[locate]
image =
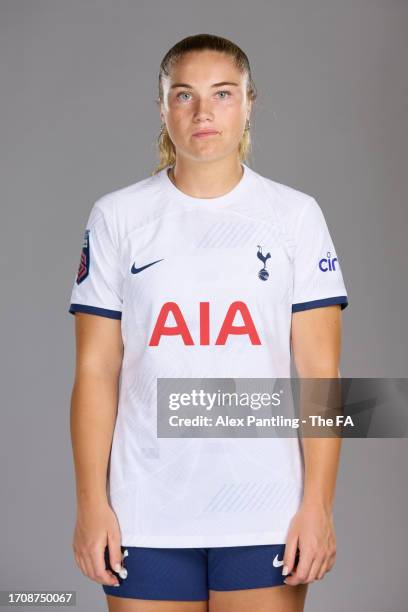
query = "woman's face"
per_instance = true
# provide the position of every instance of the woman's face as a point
(205, 91)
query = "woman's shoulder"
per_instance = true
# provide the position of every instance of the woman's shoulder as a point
(132, 204)
(288, 201)
(138, 190)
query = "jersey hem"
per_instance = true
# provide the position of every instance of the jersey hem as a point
(237, 539)
(103, 312)
(339, 299)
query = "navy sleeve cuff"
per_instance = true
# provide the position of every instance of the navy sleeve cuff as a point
(103, 312)
(339, 299)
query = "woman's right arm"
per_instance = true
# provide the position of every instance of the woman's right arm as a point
(94, 401)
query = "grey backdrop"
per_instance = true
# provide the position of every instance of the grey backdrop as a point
(78, 120)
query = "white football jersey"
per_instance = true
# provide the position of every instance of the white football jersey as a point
(203, 287)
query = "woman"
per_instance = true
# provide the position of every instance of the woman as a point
(204, 269)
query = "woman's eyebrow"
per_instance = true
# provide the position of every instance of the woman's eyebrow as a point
(187, 86)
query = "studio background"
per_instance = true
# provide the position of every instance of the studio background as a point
(78, 120)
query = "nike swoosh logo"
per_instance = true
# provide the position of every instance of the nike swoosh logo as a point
(135, 270)
(276, 562)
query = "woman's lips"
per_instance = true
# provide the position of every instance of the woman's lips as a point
(204, 134)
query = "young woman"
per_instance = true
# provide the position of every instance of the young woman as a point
(204, 269)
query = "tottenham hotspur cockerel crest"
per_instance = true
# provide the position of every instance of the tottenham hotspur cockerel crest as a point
(263, 273)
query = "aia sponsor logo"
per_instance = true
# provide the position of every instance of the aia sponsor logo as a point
(227, 328)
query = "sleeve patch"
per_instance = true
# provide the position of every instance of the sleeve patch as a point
(83, 269)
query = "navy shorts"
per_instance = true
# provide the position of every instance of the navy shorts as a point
(186, 574)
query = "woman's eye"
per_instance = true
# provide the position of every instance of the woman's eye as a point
(183, 93)
(225, 94)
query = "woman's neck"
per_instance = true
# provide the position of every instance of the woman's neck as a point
(206, 180)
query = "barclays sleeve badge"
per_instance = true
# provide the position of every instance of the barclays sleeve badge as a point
(83, 269)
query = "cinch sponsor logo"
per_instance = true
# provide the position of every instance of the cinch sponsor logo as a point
(227, 328)
(327, 264)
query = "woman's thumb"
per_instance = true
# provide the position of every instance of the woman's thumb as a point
(115, 557)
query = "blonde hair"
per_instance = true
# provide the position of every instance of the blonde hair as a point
(201, 42)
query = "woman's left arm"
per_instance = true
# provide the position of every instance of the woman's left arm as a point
(316, 347)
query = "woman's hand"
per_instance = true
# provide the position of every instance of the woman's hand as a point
(312, 531)
(97, 527)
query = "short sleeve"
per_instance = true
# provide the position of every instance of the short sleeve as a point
(318, 279)
(99, 281)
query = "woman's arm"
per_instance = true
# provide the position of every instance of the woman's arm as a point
(99, 353)
(316, 340)
(316, 346)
